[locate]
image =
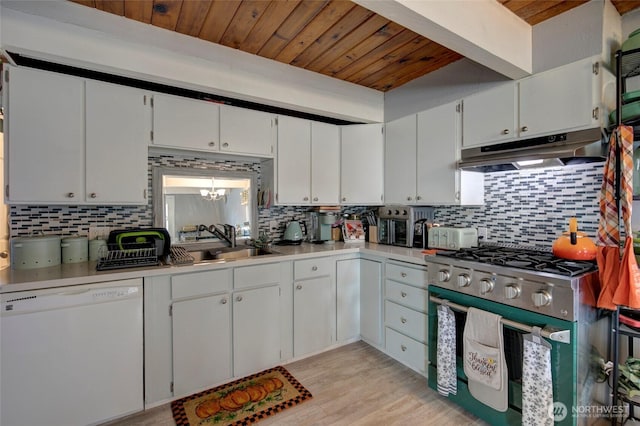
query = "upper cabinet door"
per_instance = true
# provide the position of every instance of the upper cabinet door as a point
(246, 131)
(438, 145)
(325, 163)
(185, 123)
(117, 134)
(362, 163)
(400, 160)
(45, 137)
(490, 116)
(293, 161)
(560, 99)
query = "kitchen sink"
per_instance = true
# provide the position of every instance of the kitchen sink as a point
(229, 253)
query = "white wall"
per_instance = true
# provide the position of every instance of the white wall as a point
(76, 35)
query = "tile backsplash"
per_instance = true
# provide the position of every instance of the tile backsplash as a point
(524, 207)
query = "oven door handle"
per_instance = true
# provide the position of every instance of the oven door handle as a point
(557, 335)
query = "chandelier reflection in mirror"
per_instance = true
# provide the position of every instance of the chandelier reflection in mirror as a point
(214, 194)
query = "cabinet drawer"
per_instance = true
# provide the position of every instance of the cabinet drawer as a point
(406, 350)
(406, 321)
(410, 275)
(312, 268)
(415, 298)
(187, 285)
(250, 276)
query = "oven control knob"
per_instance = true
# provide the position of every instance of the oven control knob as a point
(444, 275)
(512, 291)
(486, 286)
(541, 298)
(464, 280)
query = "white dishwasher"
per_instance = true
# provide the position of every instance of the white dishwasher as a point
(72, 355)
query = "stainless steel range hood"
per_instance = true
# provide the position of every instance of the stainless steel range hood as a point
(583, 146)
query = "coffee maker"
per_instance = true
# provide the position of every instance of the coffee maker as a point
(319, 225)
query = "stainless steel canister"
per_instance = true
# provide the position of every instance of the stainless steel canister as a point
(74, 249)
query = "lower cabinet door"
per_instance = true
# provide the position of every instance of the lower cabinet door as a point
(311, 315)
(256, 330)
(406, 350)
(201, 343)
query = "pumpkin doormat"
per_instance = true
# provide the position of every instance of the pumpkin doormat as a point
(242, 401)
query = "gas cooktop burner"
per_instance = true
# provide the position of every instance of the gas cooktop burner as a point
(522, 258)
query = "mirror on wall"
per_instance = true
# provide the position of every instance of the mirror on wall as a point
(188, 201)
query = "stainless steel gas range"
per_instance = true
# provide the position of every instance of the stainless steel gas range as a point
(528, 288)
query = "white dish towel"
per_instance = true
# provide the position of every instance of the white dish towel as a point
(447, 377)
(484, 362)
(537, 383)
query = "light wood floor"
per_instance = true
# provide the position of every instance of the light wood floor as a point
(352, 385)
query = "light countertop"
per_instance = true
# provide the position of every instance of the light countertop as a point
(68, 274)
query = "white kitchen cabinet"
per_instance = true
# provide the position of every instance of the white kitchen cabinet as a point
(308, 162)
(438, 151)
(313, 305)
(400, 169)
(45, 137)
(185, 123)
(490, 116)
(371, 301)
(117, 127)
(61, 131)
(256, 330)
(293, 161)
(575, 96)
(405, 312)
(201, 343)
(361, 164)
(347, 299)
(247, 131)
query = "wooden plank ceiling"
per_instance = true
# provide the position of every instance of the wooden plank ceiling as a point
(337, 38)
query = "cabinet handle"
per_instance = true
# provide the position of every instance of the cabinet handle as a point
(403, 294)
(239, 299)
(299, 287)
(212, 144)
(403, 274)
(71, 195)
(315, 198)
(223, 301)
(93, 195)
(305, 199)
(524, 129)
(505, 132)
(403, 320)
(314, 268)
(225, 145)
(403, 347)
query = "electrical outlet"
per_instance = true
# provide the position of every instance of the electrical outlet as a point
(273, 225)
(482, 233)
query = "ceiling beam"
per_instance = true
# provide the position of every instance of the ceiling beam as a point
(482, 30)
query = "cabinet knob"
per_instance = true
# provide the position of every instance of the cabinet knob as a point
(4, 254)
(314, 268)
(403, 274)
(71, 195)
(403, 320)
(223, 301)
(225, 145)
(93, 195)
(418, 198)
(212, 144)
(403, 347)
(409, 198)
(344, 198)
(299, 287)
(305, 199)
(524, 129)
(239, 299)
(403, 294)
(315, 198)
(505, 132)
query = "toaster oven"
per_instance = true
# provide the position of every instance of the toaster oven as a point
(396, 223)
